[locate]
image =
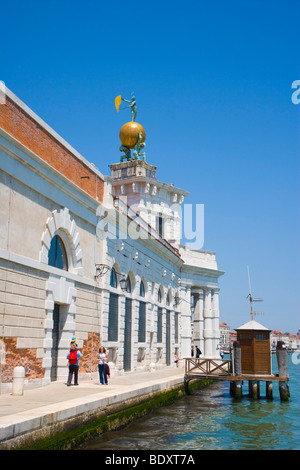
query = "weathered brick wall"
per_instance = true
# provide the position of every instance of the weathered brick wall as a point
(89, 361)
(27, 131)
(20, 357)
(88, 314)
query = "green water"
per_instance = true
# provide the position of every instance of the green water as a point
(211, 419)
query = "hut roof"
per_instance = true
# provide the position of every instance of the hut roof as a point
(252, 325)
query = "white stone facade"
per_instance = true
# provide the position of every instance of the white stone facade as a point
(37, 204)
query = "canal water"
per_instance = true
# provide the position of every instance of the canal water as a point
(210, 419)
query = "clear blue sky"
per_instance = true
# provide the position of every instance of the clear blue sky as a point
(212, 82)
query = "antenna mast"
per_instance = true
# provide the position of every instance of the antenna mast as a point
(251, 299)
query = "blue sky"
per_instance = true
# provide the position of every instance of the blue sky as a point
(212, 82)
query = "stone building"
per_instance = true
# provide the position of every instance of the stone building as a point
(94, 256)
(224, 336)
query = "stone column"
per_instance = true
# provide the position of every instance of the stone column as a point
(208, 326)
(185, 331)
(196, 318)
(216, 323)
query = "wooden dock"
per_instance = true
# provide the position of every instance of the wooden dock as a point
(207, 368)
(217, 369)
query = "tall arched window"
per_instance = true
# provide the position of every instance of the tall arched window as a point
(159, 317)
(113, 313)
(128, 285)
(142, 289)
(128, 327)
(113, 278)
(57, 255)
(142, 316)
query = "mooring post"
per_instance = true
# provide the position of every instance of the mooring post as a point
(281, 354)
(254, 391)
(269, 390)
(237, 389)
(186, 385)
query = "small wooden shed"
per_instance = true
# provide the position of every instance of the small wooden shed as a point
(254, 340)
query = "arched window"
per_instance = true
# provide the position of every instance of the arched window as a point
(113, 314)
(168, 299)
(113, 278)
(142, 289)
(128, 285)
(159, 296)
(142, 316)
(57, 255)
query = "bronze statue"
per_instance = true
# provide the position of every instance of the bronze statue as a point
(132, 105)
(127, 152)
(139, 146)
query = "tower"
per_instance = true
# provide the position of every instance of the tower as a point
(135, 182)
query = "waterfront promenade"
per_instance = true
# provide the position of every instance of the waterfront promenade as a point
(33, 414)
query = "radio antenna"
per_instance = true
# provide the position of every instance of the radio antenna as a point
(251, 299)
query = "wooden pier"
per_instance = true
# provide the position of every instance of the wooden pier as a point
(217, 369)
(251, 361)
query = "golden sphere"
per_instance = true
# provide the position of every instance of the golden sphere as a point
(129, 134)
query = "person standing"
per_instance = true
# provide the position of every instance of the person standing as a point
(73, 358)
(198, 352)
(102, 361)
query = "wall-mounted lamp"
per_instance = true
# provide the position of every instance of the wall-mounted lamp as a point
(123, 283)
(101, 270)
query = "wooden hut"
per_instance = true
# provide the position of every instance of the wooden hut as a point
(254, 340)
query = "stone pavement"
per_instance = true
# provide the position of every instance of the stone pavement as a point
(55, 403)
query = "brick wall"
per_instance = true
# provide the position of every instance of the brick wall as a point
(28, 132)
(26, 357)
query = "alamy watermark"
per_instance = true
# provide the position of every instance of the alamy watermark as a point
(296, 94)
(178, 222)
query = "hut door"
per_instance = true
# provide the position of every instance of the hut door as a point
(246, 341)
(127, 334)
(55, 342)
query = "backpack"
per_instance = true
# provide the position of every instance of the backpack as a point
(73, 357)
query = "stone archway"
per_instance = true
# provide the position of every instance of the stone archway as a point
(61, 223)
(60, 293)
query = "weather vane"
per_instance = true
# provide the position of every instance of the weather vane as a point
(132, 105)
(132, 134)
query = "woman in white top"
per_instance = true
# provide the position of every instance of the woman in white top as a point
(102, 361)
